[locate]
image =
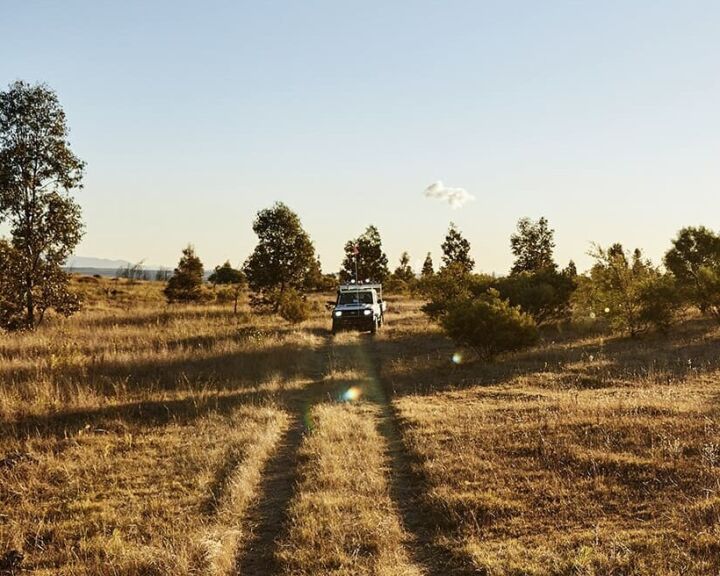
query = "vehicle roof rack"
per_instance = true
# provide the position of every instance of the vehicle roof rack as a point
(351, 287)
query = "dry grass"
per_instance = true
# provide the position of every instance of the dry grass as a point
(342, 520)
(134, 497)
(135, 439)
(134, 434)
(582, 457)
(109, 355)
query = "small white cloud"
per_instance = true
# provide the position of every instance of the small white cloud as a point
(456, 197)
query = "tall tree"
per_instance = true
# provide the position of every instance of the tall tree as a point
(456, 250)
(427, 268)
(185, 285)
(533, 246)
(37, 172)
(282, 259)
(365, 254)
(404, 272)
(694, 260)
(314, 279)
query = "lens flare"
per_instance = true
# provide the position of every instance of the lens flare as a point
(351, 394)
(457, 358)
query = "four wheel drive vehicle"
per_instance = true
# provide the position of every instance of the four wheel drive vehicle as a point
(358, 307)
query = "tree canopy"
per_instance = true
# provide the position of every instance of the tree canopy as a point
(404, 271)
(185, 285)
(694, 260)
(226, 274)
(366, 252)
(37, 171)
(456, 250)
(283, 256)
(532, 246)
(626, 290)
(427, 268)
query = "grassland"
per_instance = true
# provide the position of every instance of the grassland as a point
(140, 438)
(587, 455)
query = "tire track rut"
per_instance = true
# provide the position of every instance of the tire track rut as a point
(266, 520)
(408, 488)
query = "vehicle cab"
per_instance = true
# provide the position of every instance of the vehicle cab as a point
(358, 307)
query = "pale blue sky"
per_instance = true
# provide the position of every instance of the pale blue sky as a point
(602, 116)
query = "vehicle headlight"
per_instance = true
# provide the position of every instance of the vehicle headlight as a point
(367, 312)
(338, 313)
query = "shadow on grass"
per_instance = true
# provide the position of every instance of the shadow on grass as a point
(422, 363)
(216, 383)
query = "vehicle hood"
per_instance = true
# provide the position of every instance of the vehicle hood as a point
(342, 307)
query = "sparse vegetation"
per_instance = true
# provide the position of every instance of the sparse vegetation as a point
(140, 443)
(586, 455)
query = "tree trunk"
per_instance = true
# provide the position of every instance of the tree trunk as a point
(29, 303)
(279, 299)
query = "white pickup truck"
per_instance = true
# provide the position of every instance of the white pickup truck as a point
(358, 307)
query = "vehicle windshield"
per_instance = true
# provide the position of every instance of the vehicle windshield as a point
(355, 298)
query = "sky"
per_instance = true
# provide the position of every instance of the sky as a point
(192, 116)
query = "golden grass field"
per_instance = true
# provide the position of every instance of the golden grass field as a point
(139, 438)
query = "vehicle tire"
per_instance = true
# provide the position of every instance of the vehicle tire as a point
(374, 326)
(334, 329)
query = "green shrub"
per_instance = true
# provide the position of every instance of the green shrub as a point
(626, 292)
(451, 284)
(186, 283)
(294, 307)
(694, 260)
(489, 325)
(544, 294)
(660, 301)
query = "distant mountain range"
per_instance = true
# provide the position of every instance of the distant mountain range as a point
(105, 266)
(85, 262)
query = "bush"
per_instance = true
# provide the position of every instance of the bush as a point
(294, 307)
(225, 295)
(451, 284)
(694, 259)
(708, 290)
(660, 301)
(186, 283)
(627, 292)
(489, 325)
(544, 294)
